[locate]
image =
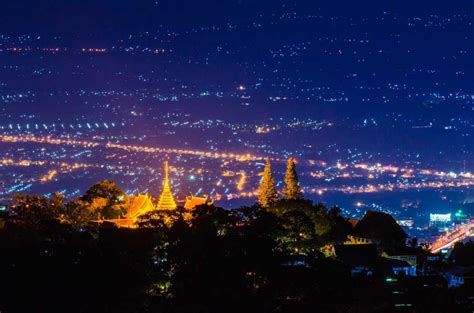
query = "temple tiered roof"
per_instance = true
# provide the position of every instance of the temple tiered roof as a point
(194, 201)
(166, 201)
(140, 204)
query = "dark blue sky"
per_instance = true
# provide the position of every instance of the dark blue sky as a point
(82, 17)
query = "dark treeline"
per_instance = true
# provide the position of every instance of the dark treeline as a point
(52, 259)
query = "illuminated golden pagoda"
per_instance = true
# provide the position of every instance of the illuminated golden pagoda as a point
(166, 201)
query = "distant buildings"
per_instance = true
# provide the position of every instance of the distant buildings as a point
(377, 245)
(459, 276)
(365, 260)
(378, 228)
(440, 220)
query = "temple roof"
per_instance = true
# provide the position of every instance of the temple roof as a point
(378, 225)
(353, 221)
(139, 205)
(193, 201)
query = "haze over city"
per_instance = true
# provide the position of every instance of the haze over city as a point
(373, 101)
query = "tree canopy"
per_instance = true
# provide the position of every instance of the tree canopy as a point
(106, 199)
(267, 193)
(292, 190)
(209, 259)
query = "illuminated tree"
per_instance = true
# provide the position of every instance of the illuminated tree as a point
(104, 189)
(33, 209)
(212, 219)
(78, 213)
(267, 194)
(298, 236)
(40, 218)
(292, 189)
(329, 225)
(107, 199)
(160, 218)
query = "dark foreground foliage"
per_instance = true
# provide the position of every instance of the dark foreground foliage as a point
(246, 260)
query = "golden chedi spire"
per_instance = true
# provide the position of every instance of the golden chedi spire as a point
(166, 201)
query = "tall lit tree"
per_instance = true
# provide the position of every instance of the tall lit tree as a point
(267, 194)
(292, 188)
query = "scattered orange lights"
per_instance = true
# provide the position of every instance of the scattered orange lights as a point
(49, 177)
(212, 155)
(373, 172)
(241, 183)
(95, 50)
(61, 167)
(51, 49)
(129, 148)
(317, 174)
(401, 186)
(18, 49)
(47, 140)
(11, 162)
(263, 130)
(26, 49)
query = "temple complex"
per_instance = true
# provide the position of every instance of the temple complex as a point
(142, 203)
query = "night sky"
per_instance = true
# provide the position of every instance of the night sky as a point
(89, 16)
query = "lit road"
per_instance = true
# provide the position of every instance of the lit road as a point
(459, 233)
(128, 148)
